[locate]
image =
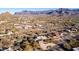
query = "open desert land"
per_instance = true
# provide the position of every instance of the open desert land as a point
(39, 32)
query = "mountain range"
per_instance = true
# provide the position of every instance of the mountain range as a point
(60, 11)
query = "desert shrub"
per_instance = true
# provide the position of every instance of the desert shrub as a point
(28, 48)
(67, 46)
(74, 43)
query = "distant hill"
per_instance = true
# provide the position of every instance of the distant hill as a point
(6, 14)
(60, 11)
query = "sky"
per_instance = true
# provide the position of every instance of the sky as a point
(13, 10)
(35, 5)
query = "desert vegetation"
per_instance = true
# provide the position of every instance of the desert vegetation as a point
(39, 32)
